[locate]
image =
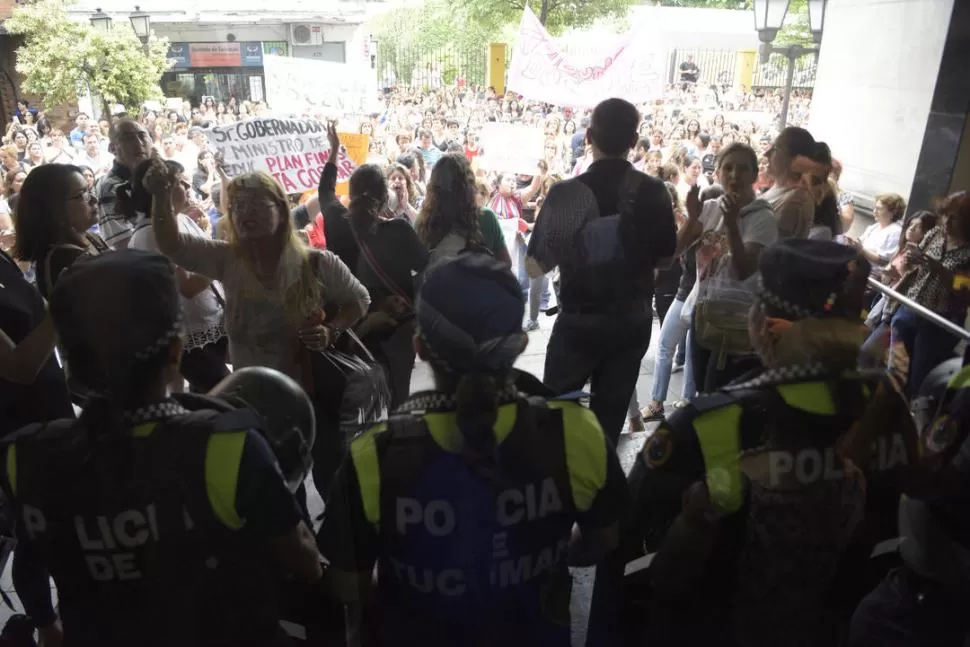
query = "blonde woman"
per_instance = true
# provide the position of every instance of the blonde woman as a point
(276, 288)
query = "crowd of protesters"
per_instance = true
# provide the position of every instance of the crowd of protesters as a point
(733, 231)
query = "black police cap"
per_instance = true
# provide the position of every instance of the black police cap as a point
(118, 307)
(812, 278)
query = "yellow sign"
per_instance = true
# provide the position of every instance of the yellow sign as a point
(357, 146)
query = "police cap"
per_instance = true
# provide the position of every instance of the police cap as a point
(812, 278)
(115, 312)
(469, 314)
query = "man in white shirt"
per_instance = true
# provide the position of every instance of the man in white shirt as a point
(94, 157)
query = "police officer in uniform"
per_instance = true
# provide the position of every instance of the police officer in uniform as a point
(467, 498)
(160, 526)
(755, 496)
(923, 602)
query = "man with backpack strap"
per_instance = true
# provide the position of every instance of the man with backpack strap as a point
(607, 230)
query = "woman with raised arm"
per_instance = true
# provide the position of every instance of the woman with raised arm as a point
(281, 297)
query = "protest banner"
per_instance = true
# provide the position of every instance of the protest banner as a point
(299, 87)
(356, 145)
(294, 151)
(510, 148)
(632, 69)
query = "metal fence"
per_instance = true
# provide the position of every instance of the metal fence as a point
(719, 67)
(435, 68)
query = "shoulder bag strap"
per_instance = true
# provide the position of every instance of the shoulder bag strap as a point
(381, 275)
(47, 264)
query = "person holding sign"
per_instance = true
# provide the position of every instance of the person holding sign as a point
(508, 203)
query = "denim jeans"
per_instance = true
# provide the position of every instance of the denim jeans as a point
(534, 291)
(927, 344)
(673, 333)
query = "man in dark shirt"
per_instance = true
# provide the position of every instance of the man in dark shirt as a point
(578, 143)
(689, 72)
(603, 330)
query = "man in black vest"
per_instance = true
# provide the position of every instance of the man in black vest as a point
(159, 526)
(603, 330)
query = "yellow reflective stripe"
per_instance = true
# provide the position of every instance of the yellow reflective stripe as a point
(222, 458)
(444, 429)
(12, 468)
(718, 434)
(811, 397)
(961, 380)
(144, 430)
(585, 452)
(363, 451)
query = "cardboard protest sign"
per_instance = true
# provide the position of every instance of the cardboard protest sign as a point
(510, 148)
(296, 86)
(356, 145)
(294, 151)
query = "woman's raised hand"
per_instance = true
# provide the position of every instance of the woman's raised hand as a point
(334, 140)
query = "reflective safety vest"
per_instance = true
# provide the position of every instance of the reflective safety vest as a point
(796, 459)
(141, 534)
(468, 559)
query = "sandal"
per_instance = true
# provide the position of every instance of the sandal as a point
(653, 414)
(636, 424)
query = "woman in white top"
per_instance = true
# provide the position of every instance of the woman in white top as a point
(691, 176)
(880, 240)
(727, 235)
(206, 345)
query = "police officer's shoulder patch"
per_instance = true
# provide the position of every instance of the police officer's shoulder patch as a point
(658, 448)
(941, 434)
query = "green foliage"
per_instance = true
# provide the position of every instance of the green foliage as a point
(62, 57)
(708, 4)
(556, 15)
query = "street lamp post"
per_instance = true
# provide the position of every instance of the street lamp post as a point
(769, 15)
(141, 22)
(100, 20)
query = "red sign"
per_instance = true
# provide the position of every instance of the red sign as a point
(215, 54)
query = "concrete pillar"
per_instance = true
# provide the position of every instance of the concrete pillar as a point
(893, 112)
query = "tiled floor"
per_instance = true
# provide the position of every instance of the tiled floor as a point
(532, 361)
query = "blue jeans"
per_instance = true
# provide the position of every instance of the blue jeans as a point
(927, 344)
(673, 332)
(535, 292)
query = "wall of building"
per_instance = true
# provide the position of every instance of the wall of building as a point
(874, 88)
(352, 35)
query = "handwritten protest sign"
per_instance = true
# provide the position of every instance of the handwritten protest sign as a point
(296, 86)
(294, 151)
(356, 146)
(510, 148)
(632, 68)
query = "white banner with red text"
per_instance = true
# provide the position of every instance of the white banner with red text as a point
(632, 68)
(294, 151)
